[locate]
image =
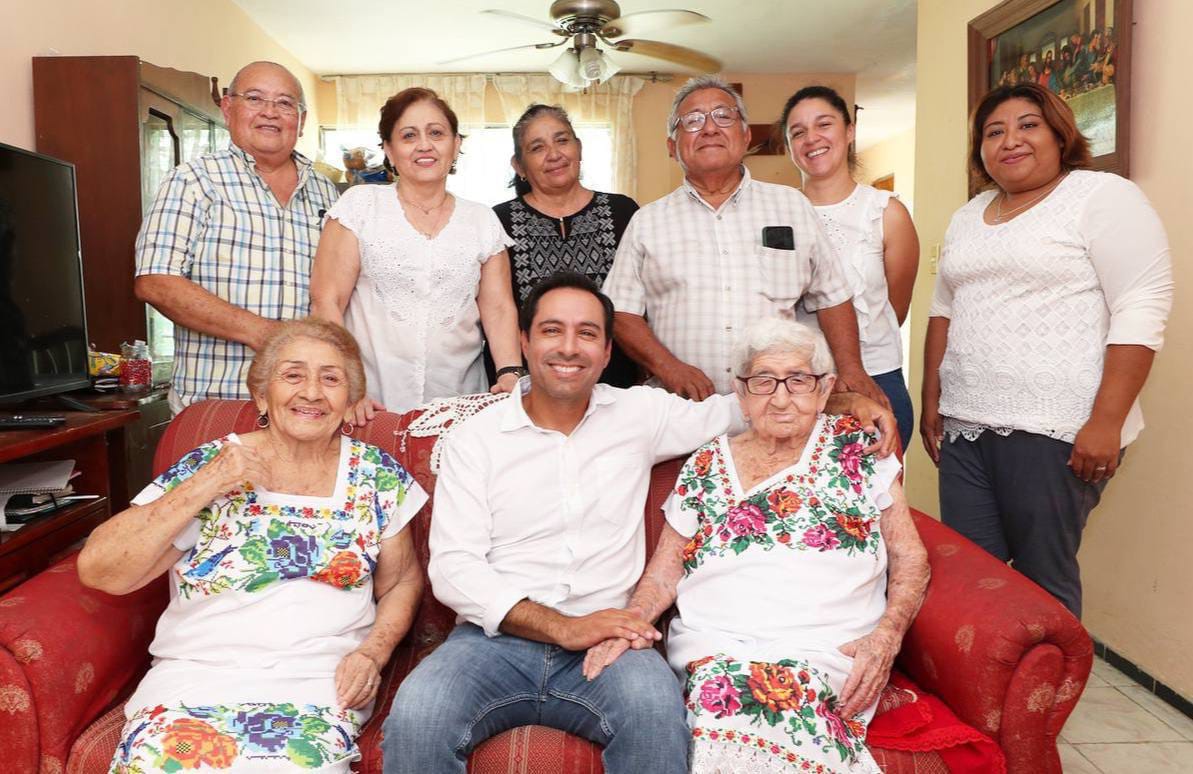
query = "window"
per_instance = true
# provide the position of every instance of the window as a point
(484, 171)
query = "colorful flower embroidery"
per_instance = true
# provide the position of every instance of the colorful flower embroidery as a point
(786, 701)
(246, 544)
(820, 509)
(223, 736)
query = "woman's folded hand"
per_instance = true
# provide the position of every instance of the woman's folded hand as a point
(872, 657)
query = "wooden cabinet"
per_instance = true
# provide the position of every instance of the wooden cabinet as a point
(96, 443)
(124, 124)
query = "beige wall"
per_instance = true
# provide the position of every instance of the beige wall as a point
(764, 96)
(212, 37)
(1135, 557)
(893, 156)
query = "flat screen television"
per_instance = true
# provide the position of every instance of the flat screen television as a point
(43, 323)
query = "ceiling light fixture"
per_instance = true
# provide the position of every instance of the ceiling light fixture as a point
(579, 66)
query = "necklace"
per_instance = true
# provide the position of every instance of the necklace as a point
(433, 229)
(999, 216)
(424, 210)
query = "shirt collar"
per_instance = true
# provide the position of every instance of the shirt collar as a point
(303, 164)
(516, 417)
(733, 197)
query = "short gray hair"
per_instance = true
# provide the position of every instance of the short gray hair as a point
(234, 86)
(774, 335)
(696, 84)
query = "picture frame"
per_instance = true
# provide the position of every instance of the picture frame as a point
(1079, 49)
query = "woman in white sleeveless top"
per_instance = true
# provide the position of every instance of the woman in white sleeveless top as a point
(1054, 288)
(871, 232)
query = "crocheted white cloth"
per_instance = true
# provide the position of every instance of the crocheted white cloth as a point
(439, 417)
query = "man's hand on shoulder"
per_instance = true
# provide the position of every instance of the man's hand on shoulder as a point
(685, 380)
(873, 416)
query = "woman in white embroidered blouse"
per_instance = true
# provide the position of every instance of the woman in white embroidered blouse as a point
(414, 272)
(870, 230)
(1053, 293)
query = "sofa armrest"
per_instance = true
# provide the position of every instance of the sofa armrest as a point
(66, 654)
(1003, 654)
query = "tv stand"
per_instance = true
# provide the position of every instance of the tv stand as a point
(74, 404)
(96, 443)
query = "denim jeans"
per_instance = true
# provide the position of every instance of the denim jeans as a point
(473, 687)
(896, 392)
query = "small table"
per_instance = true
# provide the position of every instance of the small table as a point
(96, 443)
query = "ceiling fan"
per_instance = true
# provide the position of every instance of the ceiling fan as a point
(585, 23)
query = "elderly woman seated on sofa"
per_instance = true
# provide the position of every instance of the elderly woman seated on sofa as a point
(292, 578)
(798, 570)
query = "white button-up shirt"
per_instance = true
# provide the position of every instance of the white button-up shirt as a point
(527, 513)
(701, 275)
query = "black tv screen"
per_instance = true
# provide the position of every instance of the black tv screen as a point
(43, 326)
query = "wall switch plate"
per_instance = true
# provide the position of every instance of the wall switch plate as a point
(934, 258)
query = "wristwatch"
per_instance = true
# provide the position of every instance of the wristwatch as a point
(517, 371)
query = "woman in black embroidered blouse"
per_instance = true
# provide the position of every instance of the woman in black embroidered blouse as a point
(556, 223)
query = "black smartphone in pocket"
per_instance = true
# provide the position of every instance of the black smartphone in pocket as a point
(778, 237)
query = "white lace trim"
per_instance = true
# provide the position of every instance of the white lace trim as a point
(439, 417)
(954, 428)
(709, 757)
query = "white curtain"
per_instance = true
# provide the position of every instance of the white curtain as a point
(359, 97)
(609, 103)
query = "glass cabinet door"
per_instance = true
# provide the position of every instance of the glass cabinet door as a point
(161, 151)
(170, 135)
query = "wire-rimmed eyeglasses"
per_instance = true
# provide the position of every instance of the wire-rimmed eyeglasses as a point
(721, 116)
(284, 105)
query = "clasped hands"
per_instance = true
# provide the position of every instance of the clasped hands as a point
(606, 634)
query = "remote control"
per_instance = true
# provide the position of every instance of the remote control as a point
(22, 422)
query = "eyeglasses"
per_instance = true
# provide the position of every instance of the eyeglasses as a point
(796, 384)
(721, 116)
(284, 105)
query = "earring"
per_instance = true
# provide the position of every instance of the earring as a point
(263, 420)
(347, 428)
(522, 178)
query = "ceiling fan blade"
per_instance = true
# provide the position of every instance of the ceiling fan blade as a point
(671, 53)
(646, 22)
(545, 25)
(501, 50)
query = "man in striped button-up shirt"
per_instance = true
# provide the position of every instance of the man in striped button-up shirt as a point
(226, 249)
(722, 250)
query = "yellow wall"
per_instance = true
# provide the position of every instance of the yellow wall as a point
(765, 95)
(1135, 557)
(893, 156)
(212, 37)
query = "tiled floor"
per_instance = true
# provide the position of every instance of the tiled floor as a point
(1121, 728)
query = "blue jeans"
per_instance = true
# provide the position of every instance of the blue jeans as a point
(896, 392)
(473, 687)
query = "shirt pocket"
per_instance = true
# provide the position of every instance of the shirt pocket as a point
(783, 277)
(613, 480)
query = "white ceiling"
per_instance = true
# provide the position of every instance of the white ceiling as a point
(873, 38)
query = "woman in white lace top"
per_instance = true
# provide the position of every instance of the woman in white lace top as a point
(1054, 288)
(414, 272)
(870, 231)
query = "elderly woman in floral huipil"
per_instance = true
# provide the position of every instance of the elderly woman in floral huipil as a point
(797, 568)
(292, 577)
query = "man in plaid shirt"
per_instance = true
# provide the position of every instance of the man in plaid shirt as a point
(226, 249)
(697, 266)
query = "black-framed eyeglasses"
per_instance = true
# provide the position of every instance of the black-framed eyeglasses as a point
(284, 105)
(721, 116)
(796, 384)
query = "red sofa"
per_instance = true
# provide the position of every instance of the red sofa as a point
(999, 651)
